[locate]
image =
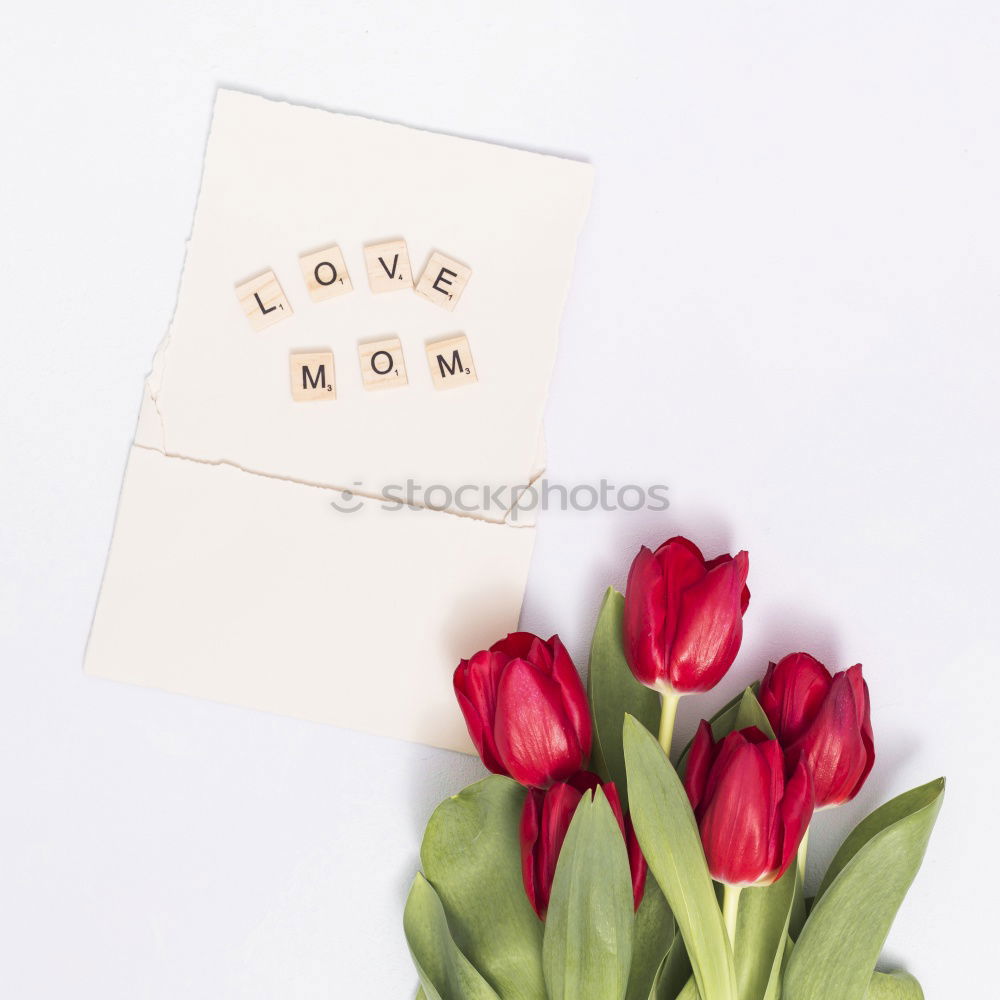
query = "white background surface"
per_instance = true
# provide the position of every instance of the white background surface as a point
(785, 307)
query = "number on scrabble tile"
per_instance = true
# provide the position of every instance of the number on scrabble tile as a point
(388, 266)
(262, 300)
(451, 362)
(382, 364)
(325, 274)
(312, 376)
(443, 281)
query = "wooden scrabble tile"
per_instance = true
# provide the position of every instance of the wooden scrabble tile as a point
(451, 362)
(388, 266)
(263, 301)
(443, 281)
(382, 364)
(312, 377)
(325, 273)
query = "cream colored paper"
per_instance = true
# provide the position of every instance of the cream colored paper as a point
(230, 575)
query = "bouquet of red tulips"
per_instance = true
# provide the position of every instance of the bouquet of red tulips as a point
(592, 865)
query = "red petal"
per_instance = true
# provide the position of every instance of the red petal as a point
(614, 800)
(699, 763)
(672, 546)
(475, 682)
(515, 645)
(557, 813)
(709, 630)
(584, 781)
(792, 693)
(834, 746)
(636, 862)
(867, 736)
(775, 760)
(683, 566)
(482, 738)
(754, 735)
(742, 560)
(795, 812)
(574, 694)
(725, 750)
(642, 627)
(535, 739)
(744, 555)
(539, 655)
(531, 813)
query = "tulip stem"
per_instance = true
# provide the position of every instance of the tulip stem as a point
(803, 848)
(668, 713)
(730, 909)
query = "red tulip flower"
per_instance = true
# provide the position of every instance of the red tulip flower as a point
(826, 719)
(684, 616)
(545, 820)
(751, 816)
(526, 709)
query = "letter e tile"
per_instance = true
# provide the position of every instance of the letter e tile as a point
(262, 300)
(443, 281)
(388, 266)
(325, 274)
(312, 377)
(451, 362)
(382, 364)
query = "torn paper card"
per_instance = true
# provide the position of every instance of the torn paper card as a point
(240, 569)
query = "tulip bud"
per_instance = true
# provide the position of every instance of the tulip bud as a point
(826, 719)
(526, 709)
(545, 820)
(684, 616)
(751, 813)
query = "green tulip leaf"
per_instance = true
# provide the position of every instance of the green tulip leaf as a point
(445, 973)
(848, 923)
(615, 693)
(800, 910)
(421, 995)
(587, 949)
(761, 927)
(471, 855)
(669, 837)
(894, 986)
(690, 991)
(654, 934)
(673, 978)
(885, 816)
(749, 713)
(773, 991)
